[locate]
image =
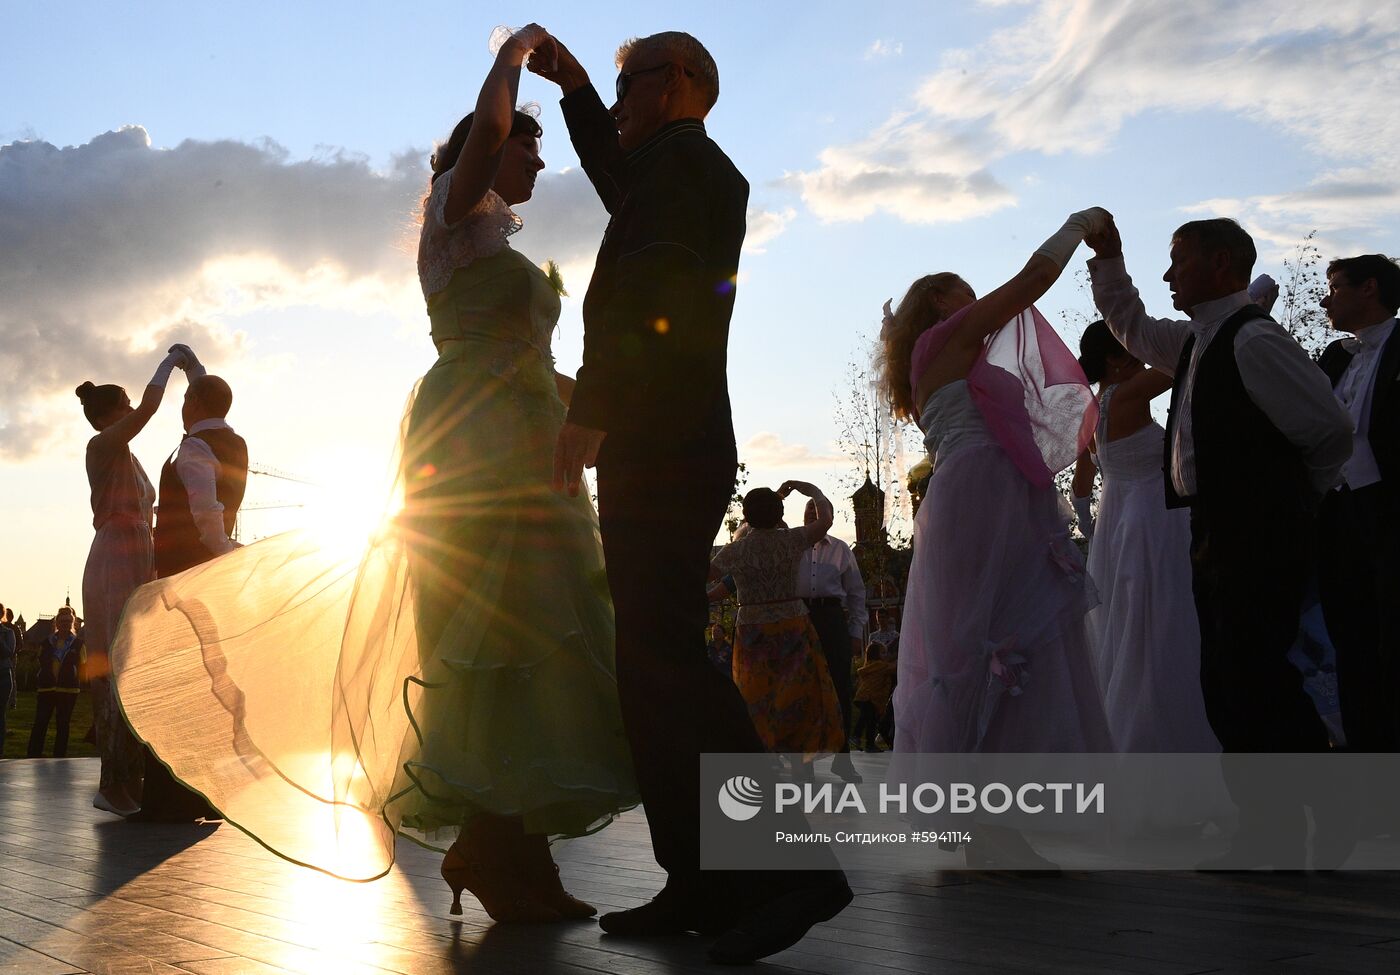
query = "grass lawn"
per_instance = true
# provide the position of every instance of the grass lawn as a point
(20, 722)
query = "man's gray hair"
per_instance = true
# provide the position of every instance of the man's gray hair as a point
(678, 46)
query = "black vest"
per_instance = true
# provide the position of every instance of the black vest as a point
(1245, 468)
(177, 541)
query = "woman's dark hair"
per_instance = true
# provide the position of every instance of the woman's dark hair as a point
(875, 651)
(763, 508)
(446, 155)
(99, 401)
(1096, 345)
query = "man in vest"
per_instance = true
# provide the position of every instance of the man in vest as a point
(1359, 568)
(1255, 438)
(201, 488)
(202, 484)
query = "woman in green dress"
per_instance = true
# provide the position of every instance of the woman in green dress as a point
(521, 737)
(456, 682)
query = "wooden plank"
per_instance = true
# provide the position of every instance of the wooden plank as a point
(80, 891)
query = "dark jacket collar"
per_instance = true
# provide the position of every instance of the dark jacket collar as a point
(667, 132)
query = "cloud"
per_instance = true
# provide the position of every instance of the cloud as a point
(907, 168)
(767, 450)
(1070, 73)
(764, 226)
(564, 221)
(884, 49)
(112, 250)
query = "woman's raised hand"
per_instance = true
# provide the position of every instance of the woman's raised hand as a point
(801, 487)
(1097, 220)
(533, 42)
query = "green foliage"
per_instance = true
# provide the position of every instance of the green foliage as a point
(556, 278)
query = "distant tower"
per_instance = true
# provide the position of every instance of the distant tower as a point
(869, 505)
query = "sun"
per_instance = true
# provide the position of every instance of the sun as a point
(350, 509)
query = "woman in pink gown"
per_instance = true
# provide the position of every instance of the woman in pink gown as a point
(120, 560)
(993, 650)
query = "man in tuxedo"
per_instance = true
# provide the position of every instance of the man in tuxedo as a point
(651, 411)
(1359, 538)
(201, 489)
(1254, 440)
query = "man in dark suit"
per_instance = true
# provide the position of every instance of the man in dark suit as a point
(201, 489)
(651, 411)
(1359, 545)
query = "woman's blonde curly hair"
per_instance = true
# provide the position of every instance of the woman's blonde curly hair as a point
(916, 314)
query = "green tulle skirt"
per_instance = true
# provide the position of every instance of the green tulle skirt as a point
(461, 663)
(516, 712)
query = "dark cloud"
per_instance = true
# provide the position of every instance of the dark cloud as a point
(102, 247)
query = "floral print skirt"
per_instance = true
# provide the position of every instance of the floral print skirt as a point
(782, 674)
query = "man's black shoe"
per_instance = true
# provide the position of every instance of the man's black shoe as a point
(780, 923)
(841, 766)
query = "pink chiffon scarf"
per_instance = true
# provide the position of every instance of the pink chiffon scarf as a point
(1029, 389)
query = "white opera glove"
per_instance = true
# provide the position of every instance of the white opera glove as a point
(1263, 291)
(1059, 247)
(1085, 516)
(166, 367)
(194, 369)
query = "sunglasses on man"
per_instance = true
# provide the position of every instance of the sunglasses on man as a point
(624, 78)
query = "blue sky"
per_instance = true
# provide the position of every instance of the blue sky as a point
(265, 214)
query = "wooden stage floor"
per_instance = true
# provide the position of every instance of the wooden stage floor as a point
(81, 891)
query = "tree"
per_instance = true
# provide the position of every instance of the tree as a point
(1299, 307)
(877, 444)
(735, 512)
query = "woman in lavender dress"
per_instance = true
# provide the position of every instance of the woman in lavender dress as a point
(994, 655)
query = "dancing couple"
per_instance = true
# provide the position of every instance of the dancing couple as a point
(201, 488)
(478, 672)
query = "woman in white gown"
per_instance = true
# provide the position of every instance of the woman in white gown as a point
(1146, 640)
(993, 651)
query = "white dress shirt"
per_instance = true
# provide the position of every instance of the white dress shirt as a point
(1356, 392)
(1278, 376)
(828, 570)
(886, 636)
(199, 472)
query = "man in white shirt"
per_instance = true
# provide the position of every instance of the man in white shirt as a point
(1254, 440)
(829, 582)
(886, 632)
(1359, 526)
(202, 484)
(201, 488)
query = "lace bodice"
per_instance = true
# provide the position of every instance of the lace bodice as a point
(1138, 456)
(479, 289)
(951, 420)
(764, 565)
(444, 247)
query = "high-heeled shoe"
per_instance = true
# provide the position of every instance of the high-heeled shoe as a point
(543, 874)
(99, 801)
(1000, 848)
(485, 861)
